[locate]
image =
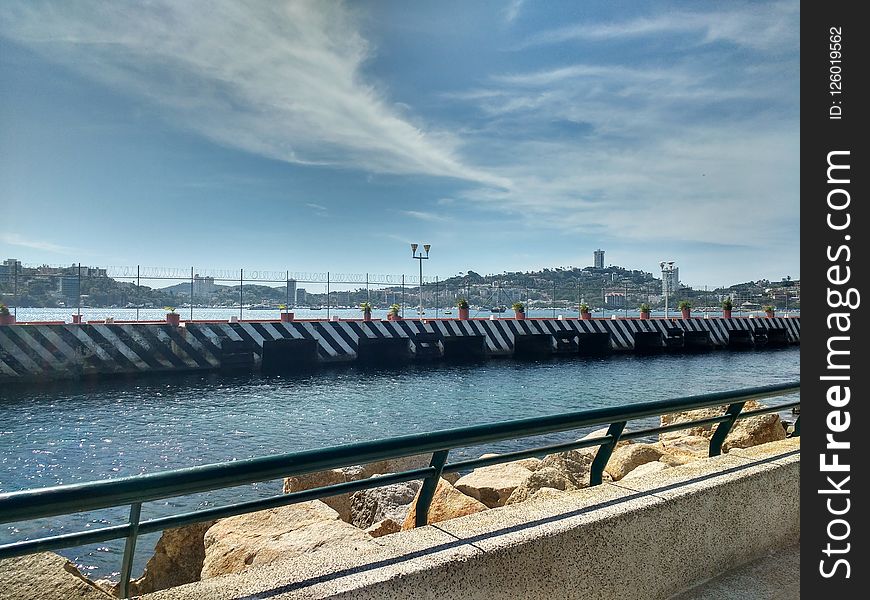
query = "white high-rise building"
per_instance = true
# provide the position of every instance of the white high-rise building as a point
(670, 281)
(598, 259)
(291, 292)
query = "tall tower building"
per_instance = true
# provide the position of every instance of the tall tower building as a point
(599, 259)
(671, 281)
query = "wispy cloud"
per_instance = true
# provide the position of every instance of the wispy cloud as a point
(289, 86)
(512, 10)
(14, 239)
(425, 216)
(318, 209)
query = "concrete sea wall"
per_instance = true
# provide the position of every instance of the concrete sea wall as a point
(38, 352)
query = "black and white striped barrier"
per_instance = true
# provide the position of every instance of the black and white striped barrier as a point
(63, 351)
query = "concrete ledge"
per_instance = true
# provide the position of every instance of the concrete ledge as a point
(646, 538)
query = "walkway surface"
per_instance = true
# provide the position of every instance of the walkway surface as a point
(773, 577)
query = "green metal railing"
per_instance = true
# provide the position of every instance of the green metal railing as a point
(136, 490)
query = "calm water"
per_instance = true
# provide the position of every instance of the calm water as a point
(72, 432)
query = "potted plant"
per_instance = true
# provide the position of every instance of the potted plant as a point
(584, 312)
(644, 311)
(686, 308)
(172, 317)
(286, 316)
(768, 310)
(462, 305)
(727, 306)
(77, 318)
(393, 313)
(519, 310)
(366, 307)
(6, 318)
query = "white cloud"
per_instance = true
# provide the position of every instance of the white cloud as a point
(279, 80)
(512, 10)
(14, 239)
(425, 216)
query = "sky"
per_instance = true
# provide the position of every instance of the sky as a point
(315, 136)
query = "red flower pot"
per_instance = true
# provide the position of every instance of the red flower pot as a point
(463, 314)
(392, 317)
(7, 319)
(286, 317)
(173, 319)
(726, 314)
(520, 316)
(687, 313)
(367, 315)
(644, 315)
(769, 314)
(77, 319)
(586, 316)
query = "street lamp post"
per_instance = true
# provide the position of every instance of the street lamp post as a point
(421, 258)
(667, 270)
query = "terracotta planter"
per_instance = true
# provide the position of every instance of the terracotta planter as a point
(586, 316)
(520, 316)
(286, 317)
(726, 314)
(463, 314)
(173, 319)
(367, 315)
(687, 313)
(7, 319)
(77, 319)
(769, 314)
(392, 317)
(644, 315)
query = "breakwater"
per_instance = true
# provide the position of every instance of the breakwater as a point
(36, 351)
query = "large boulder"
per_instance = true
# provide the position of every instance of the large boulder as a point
(178, 559)
(629, 457)
(573, 464)
(493, 485)
(47, 576)
(341, 503)
(382, 528)
(388, 502)
(751, 431)
(543, 478)
(646, 469)
(687, 447)
(236, 543)
(447, 503)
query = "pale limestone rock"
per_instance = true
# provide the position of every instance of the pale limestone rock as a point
(573, 464)
(646, 469)
(448, 503)
(388, 502)
(629, 457)
(531, 463)
(235, 543)
(547, 493)
(745, 433)
(694, 445)
(178, 559)
(543, 478)
(45, 576)
(493, 485)
(382, 528)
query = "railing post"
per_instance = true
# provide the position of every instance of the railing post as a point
(130, 549)
(796, 432)
(596, 473)
(427, 491)
(724, 428)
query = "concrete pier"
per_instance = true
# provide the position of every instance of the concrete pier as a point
(38, 352)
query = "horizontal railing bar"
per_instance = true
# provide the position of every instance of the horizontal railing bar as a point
(767, 409)
(520, 454)
(46, 502)
(633, 435)
(65, 540)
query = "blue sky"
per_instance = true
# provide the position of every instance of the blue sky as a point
(316, 136)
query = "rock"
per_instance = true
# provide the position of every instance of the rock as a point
(235, 543)
(547, 493)
(341, 502)
(46, 576)
(382, 528)
(601, 433)
(178, 559)
(532, 463)
(629, 457)
(692, 445)
(754, 431)
(389, 502)
(448, 503)
(573, 464)
(646, 469)
(543, 478)
(494, 484)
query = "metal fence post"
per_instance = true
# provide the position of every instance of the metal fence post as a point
(403, 296)
(191, 293)
(130, 549)
(596, 473)
(79, 302)
(327, 295)
(724, 428)
(138, 293)
(427, 490)
(15, 289)
(241, 288)
(437, 297)
(554, 298)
